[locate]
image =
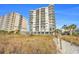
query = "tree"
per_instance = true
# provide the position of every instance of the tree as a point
(72, 28)
(65, 27)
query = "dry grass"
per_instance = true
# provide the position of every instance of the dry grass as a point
(72, 39)
(26, 44)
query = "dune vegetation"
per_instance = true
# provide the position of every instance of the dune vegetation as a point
(71, 38)
(23, 44)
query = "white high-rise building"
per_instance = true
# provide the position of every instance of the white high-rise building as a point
(13, 22)
(42, 20)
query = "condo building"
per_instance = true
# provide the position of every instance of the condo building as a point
(42, 20)
(13, 22)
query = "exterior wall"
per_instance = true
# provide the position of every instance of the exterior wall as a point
(51, 18)
(1, 21)
(17, 21)
(47, 19)
(39, 20)
(12, 22)
(4, 24)
(42, 20)
(32, 20)
(23, 25)
(43, 26)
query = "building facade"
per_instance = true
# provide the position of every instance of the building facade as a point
(13, 22)
(42, 20)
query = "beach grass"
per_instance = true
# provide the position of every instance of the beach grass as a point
(71, 38)
(24, 44)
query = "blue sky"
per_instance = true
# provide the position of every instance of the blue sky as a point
(64, 13)
(67, 14)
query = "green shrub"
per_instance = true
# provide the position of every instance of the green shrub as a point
(76, 33)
